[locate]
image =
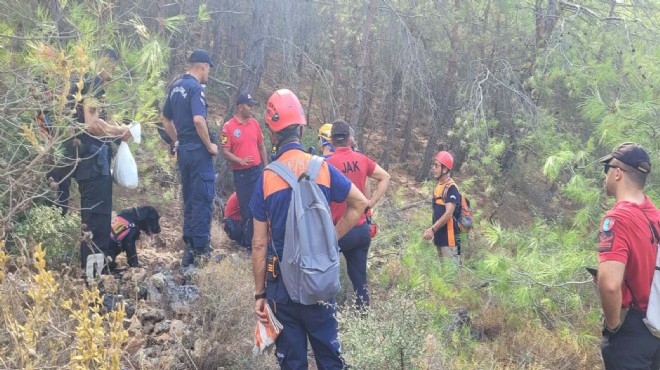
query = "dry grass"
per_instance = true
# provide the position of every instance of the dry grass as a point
(226, 318)
(538, 348)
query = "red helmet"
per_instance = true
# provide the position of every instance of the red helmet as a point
(283, 110)
(445, 159)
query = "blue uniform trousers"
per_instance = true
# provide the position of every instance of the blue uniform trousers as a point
(632, 346)
(355, 247)
(244, 182)
(301, 322)
(315, 322)
(197, 184)
(234, 229)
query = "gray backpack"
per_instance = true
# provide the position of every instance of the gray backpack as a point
(310, 261)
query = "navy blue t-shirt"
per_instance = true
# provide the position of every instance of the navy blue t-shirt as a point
(185, 100)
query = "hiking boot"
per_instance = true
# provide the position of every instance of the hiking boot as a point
(202, 253)
(188, 254)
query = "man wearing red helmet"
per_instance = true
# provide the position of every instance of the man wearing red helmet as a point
(446, 197)
(269, 205)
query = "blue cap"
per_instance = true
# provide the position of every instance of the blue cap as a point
(245, 98)
(201, 56)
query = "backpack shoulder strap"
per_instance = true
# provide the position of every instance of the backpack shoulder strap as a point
(314, 167)
(284, 172)
(448, 185)
(656, 241)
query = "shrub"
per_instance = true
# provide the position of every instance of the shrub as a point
(390, 335)
(59, 233)
(53, 326)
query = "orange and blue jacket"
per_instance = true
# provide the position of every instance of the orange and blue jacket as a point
(445, 236)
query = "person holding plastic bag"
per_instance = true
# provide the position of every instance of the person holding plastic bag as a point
(92, 171)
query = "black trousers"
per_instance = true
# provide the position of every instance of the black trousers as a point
(632, 346)
(96, 214)
(244, 182)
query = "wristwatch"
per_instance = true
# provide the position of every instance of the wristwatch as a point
(259, 296)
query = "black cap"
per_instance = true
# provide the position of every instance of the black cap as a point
(245, 98)
(631, 154)
(201, 56)
(340, 129)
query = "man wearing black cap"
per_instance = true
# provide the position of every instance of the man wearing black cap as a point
(92, 172)
(243, 146)
(627, 251)
(184, 119)
(358, 168)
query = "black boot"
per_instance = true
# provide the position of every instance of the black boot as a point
(188, 253)
(202, 253)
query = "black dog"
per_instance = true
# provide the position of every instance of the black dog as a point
(126, 228)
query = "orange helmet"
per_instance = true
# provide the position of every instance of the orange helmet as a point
(445, 159)
(283, 110)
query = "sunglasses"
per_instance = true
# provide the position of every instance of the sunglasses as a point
(607, 167)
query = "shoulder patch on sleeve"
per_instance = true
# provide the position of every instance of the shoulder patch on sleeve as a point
(605, 241)
(223, 140)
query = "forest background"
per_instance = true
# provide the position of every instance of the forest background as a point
(525, 94)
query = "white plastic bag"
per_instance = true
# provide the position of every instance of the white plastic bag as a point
(124, 170)
(136, 131)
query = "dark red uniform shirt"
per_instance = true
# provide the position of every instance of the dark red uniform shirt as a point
(625, 236)
(243, 140)
(357, 167)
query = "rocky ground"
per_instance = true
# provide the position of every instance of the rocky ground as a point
(162, 299)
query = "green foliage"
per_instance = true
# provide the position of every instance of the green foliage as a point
(526, 267)
(58, 234)
(389, 335)
(203, 13)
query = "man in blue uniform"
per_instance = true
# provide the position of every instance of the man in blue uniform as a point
(93, 168)
(184, 120)
(269, 206)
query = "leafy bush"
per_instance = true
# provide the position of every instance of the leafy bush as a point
(59, 233)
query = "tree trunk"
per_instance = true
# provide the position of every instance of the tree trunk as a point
(255, 57)
(361, 64)
(407, 131)
(445, 97)
(390, 118)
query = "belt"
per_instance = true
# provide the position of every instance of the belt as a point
(258, 167)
